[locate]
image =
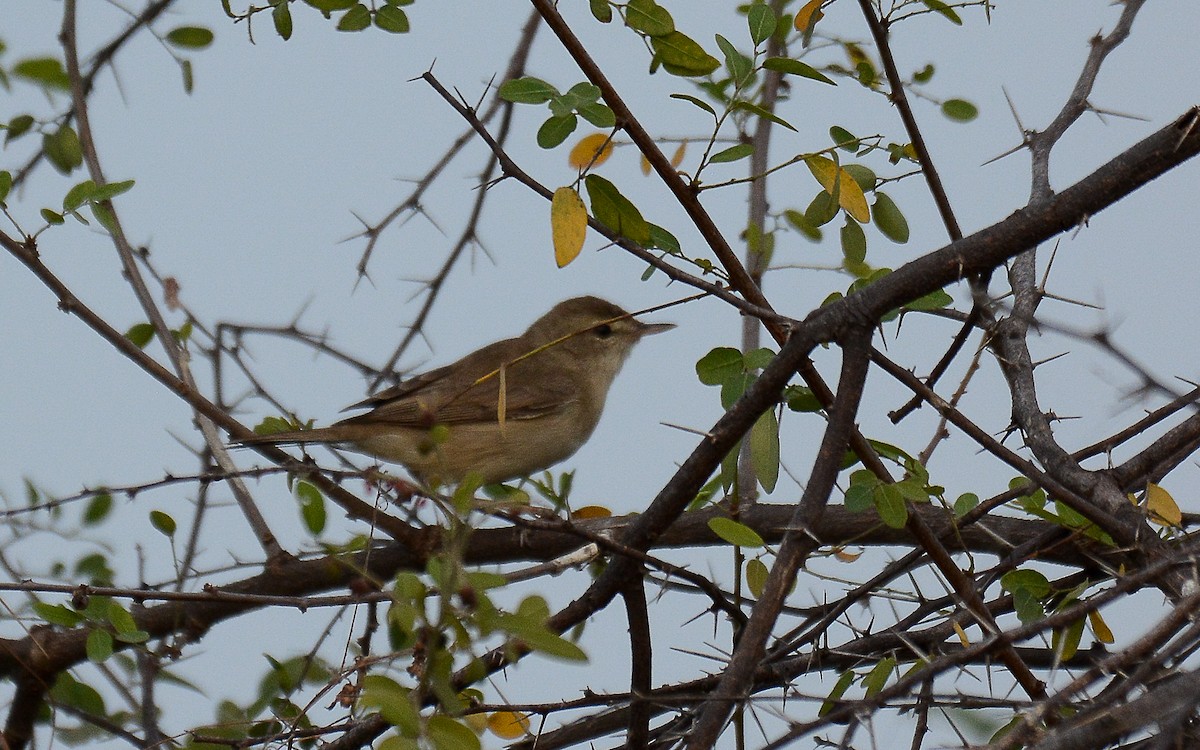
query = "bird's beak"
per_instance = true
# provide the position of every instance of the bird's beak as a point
(650, 328)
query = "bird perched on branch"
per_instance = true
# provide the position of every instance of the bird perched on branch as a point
(505, 411)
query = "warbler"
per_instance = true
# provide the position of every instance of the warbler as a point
(505, 411)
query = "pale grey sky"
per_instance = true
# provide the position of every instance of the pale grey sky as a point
(247, 189)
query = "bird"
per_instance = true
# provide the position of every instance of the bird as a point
(502, 412)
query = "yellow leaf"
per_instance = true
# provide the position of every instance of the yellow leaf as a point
(853, 200)
(962, 635)
(807, 17)
(1162, 508)
(1100, 627)
(568, 225)
(591, 151)
(677, 157)
(508, 725)
(591, 511)
(841, 185)
(856, 55)
(502, 400)
(645, 165)
(847, 557)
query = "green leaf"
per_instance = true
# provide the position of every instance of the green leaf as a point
(527, 90)
(1029, 608)
(788, 66)
(843, 139)
(959, 110)
(801, 399)
(924, 75)
(391, 19)
(355, 19)
(601, 10)
(756, 576)
(839, 689)
(163, 523)
(965, 503)
(913, 490)
(63, 150)
(555, 130)
(1065, 642)
(877, 678)
(764, 450)
(110, 190)
(854, 243)
(739, 66)
(614, 210)
(445, 733)
(282, 18)
(105, 216)
(393, 701)
(935, 300)
(97, 509)
(189, 81)
(183, 333)
(95, 568)
(17, 127)
(733, 153)
(328, 6)
(598, 114)
(273, 425)
(822, 210)
(140, 334)
(889, 503)
(70, 692)
(888, 218)
(390, 742)
(648, 17)
(78, 195)
(761, 20)
(737, 534)
(52, 217)
(190, 37)
(569, 102)
(47, 72)
(758, 358)
(863, 176)
(940, 7)
(57, 614)
(551, 644)
(800, 223)
(32, 496)
(312, 507)
(1024, 578)
(860, 495)
(120, 618)
(698, 102)
(681, 55)
(99, 645)
(719, 365)
(763, 113)
(664, 240)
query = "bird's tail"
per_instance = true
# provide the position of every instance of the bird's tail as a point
(333, 434)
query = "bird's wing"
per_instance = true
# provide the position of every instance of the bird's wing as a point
(453, 395)
(403, 389)
(452, 378)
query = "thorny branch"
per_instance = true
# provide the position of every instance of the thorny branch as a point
(1110, 554)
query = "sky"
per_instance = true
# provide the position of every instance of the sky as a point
(247, 192)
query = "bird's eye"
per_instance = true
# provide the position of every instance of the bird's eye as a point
(604, 331)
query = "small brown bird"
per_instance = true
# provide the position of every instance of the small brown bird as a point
(505, 411)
